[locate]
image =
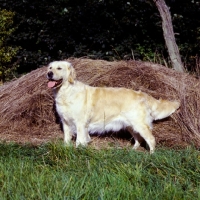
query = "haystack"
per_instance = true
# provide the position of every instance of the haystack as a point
(28, 116)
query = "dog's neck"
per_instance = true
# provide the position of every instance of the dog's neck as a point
(66, 86)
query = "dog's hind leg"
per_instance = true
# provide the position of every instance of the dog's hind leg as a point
(138, 139)
(145, 132)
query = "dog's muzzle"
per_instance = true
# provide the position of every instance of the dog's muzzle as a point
(53, 83)
(50, 75)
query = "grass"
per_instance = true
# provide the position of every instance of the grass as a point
(52, 172)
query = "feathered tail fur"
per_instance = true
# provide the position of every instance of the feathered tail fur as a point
(161, 109)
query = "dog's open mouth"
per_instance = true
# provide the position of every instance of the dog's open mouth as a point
(54, 84)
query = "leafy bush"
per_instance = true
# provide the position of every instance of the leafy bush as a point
(7, 53)
(109, 30)
(98, 29)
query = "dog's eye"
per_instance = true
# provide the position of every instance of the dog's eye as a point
(59, 68)
(50, 67)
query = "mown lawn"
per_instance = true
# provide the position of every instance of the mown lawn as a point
(52, 171)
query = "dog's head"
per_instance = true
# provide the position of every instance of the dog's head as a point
(60, 72)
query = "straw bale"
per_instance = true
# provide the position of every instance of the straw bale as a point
(28, 115)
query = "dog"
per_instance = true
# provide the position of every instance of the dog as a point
(84, 109)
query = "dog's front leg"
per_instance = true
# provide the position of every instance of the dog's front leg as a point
(83, 137)
(67, 134)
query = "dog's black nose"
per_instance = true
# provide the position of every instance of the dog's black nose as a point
(50, 75)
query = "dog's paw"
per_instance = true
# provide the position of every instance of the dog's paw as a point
(68, 143)
(81, 144)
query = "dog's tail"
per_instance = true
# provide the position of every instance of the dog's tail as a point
(161, 109)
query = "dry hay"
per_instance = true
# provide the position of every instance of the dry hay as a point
(26, 104)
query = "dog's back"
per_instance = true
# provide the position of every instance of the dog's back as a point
(122, 100)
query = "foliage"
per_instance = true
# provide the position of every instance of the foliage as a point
(53, 171)
(109, 30)
(98, 29)
(6, 52)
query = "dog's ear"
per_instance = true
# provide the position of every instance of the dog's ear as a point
(72, 75)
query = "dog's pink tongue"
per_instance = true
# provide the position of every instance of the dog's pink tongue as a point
(51, 84)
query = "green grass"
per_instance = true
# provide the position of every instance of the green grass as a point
(53, 171)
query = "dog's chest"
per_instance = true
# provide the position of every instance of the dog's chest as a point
(64, 108)
(68, 106)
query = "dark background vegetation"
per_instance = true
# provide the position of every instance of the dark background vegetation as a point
(100, 29)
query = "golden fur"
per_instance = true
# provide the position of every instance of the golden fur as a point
(84, 109)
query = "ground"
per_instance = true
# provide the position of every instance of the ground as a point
(120, 140)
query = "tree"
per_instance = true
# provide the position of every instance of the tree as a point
(6, 52)
(169, 37)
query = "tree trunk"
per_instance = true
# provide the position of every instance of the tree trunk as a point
(169, 37)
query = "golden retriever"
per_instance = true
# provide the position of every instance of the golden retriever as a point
(84, 109)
